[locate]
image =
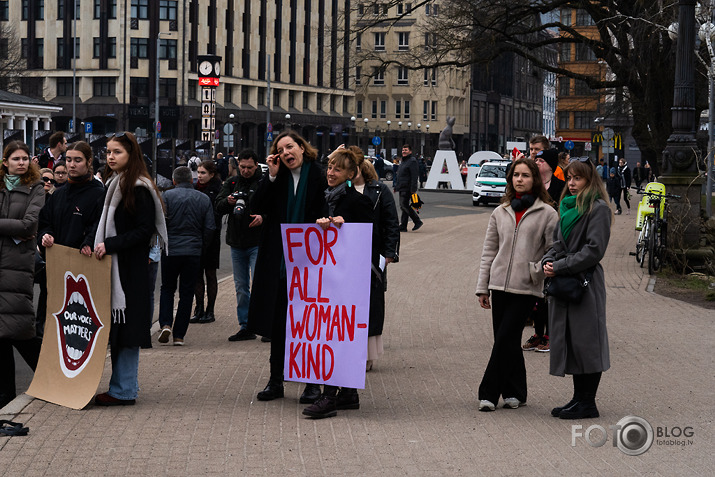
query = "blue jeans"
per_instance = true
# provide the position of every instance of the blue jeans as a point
(124, 383)
(185, 269)
(244, 267)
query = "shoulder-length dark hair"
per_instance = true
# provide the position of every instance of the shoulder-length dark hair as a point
(33, 172)
(537, 188)
(310, 153)
(136, 168)
(86, 151)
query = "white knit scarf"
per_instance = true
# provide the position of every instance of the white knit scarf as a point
(108, 228)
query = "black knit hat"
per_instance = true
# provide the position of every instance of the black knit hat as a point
(551, 157)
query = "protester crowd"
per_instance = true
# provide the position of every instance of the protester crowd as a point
(553, 223)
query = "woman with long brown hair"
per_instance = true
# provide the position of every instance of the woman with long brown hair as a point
(132, 216)
(519, 232)
(21, 198)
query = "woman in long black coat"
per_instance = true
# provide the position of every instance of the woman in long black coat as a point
(291, 192)
(132, 214)
(210, 184)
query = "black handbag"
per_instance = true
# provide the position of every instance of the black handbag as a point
(568, 288)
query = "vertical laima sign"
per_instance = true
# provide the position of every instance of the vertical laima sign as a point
(328, 277)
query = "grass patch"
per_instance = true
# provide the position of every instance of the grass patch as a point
(695, 288)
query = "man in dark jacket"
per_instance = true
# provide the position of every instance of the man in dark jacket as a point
(189, 225)
(243, 233)
(407, 176)
(54, 153)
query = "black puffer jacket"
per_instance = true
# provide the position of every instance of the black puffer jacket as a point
(19, 212)
(407, 175)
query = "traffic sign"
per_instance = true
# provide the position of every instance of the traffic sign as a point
(158, 126)
(269, 127)
(88, 128)
(228, 128)
(376, 141)
(569, 145)
(269, 136)
(587, 146)
(71, 125)
(608, 134)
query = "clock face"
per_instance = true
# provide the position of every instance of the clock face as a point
(205, 68)
(217, 68)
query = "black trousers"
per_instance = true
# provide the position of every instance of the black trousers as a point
(407, 211)
(30, 352)
(541, 317)
(506, 373)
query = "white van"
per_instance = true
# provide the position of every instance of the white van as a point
(490, 185)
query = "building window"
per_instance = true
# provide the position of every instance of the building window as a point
(105, 86)
(361, 9)
(583, 119)
(402, 76)
(111, 9)
(61, 54)
(563, 119)
(430, 76)
(380, 41)
(582, 89)
(566, 52)
(425, 110)
(139, 87)
(398, 109)
(64, 87)
(430, 40)
(261, 99)
(406, 109)
(403, 41)
(433, 116)
(140, 48)
(291, 99)
(374, 110)
(244, 95)
(276, 98)
(112, 45)
(4, 10)
(584, 53)
(431, 10)
(167, 88)
(566, 16)
(61, 9)
(140, 9)
(358, 109)
(358, 71)
(167, 49)
(4, 48)
(319, 101)
(227, 93)
(383, 109)
(583, 18)
(38, 7)
(358, 41)
(306, 100)
(193, 89)
(564, 86)
(168, 9)
(378, 76)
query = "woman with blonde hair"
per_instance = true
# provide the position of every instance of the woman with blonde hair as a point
(579, 340)
(21, 198)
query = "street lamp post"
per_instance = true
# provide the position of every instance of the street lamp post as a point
(427, 133)
(422, 140)
(287, 118)
(365, 132)
(352, 120)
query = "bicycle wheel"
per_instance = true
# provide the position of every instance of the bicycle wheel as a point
(643, 242)
(654, 258)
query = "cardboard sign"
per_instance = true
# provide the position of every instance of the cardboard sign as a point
(328, 275)
(74, 346)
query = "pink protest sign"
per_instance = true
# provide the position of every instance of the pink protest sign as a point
(328, 275)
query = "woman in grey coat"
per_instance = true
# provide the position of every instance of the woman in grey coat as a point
(579, 341)
(21, 198)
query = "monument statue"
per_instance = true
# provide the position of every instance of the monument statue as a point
(446, 143)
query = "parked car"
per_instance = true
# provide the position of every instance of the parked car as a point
(490, 185)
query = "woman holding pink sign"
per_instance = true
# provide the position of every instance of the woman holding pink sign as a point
(343, 204)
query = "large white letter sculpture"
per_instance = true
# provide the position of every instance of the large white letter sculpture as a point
(452, 175)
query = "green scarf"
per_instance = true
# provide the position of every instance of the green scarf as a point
(296, 200)
(569, 215)
(11, 181)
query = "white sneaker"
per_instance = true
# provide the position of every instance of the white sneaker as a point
(512, 403)
(164, 334)
(485, 405)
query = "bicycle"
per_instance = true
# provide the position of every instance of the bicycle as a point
(653, 225)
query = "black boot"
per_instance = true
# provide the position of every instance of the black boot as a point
(310, 394)
(581, 410)
(208, 317)
(585, 387)
(273, 390)
(348, 399)
(198, 314)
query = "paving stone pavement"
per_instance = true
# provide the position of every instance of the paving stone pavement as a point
(197, 413)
